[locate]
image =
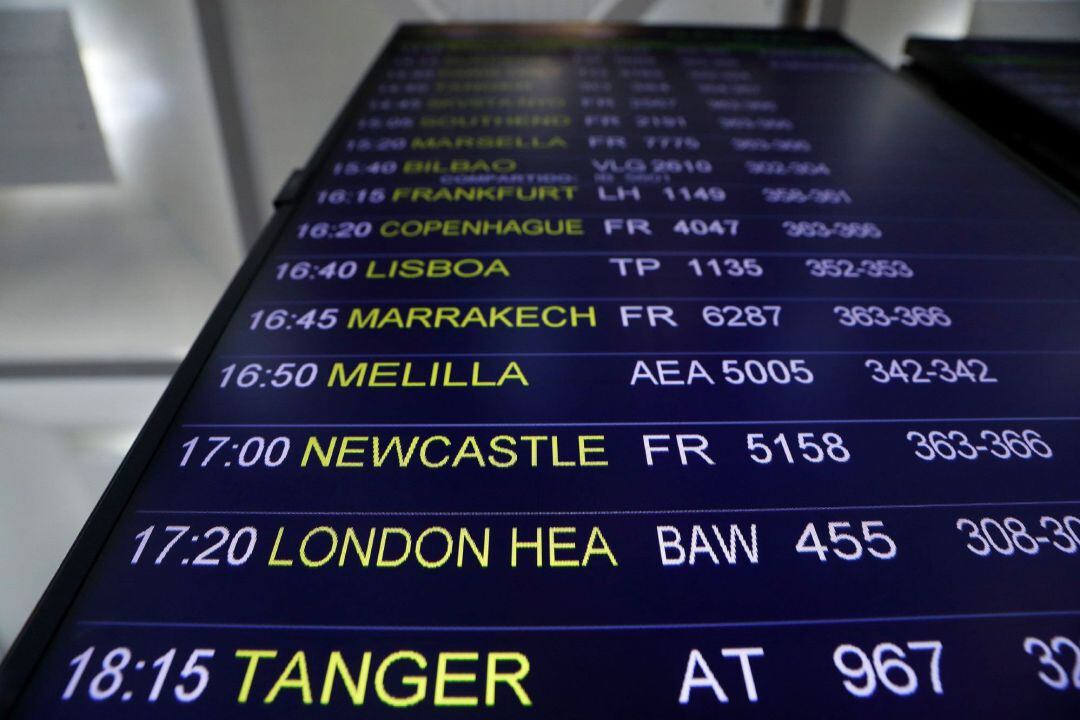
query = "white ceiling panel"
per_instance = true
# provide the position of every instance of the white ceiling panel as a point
(50, 133)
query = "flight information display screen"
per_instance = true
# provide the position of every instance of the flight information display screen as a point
(597, 371)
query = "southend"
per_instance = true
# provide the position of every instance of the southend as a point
(440, 451)
(530, 193)
(490, 121)
(508, 227)
(487, 142)
(462, 318)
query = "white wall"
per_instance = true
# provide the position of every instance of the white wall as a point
(716, 12)
(130, 268)
(882, 26)
(1029, 19)
(60, 442)
(296, 63)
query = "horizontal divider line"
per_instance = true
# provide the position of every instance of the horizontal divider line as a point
(643, 423)
(876, 300)
(581, 628)
(601, 513)
(620, 252)
(784, 213)
(653, 353)
(585, 172)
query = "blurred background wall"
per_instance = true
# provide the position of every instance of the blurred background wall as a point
(141, 144)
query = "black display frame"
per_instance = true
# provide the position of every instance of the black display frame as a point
(1017, 122)
(37, 633)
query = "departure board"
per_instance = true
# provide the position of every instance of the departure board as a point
(1028, 92)
(603, 371)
